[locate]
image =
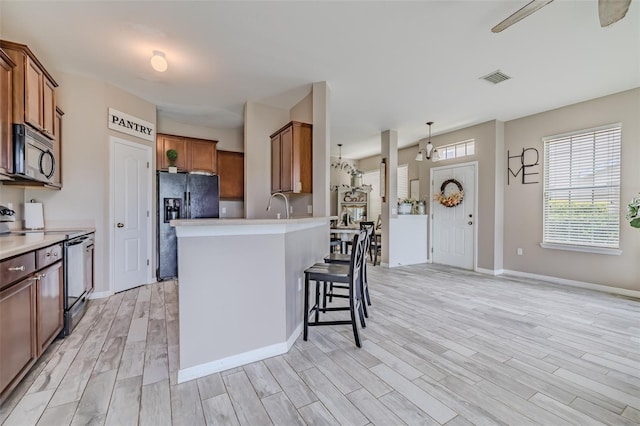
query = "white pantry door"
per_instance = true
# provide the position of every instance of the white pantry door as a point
(453, 228)
(131, 227)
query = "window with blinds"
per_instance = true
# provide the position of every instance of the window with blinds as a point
(582, 188)
(373, 178)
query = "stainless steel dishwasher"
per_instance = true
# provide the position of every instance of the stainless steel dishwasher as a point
(78, 269)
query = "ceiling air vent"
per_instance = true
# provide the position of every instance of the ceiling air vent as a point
(495, 77)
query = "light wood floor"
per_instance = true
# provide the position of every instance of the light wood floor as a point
(441, 346)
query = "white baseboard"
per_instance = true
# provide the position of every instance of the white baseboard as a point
(100, 294)
(573, 283)
(493, 272)
(294, 336)
(195, 372)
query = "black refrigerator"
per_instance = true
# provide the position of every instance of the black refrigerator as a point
(181, 196)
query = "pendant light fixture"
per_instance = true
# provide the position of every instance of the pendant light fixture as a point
(428, 151)
(341, 165)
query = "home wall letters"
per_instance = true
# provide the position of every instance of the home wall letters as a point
(528, 159)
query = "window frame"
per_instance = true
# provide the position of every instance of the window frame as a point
(569, 139)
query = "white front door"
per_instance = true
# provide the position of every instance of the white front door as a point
(453, 227)
(131, 218)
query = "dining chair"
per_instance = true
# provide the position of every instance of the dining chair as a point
(345, 258)
(337, 273)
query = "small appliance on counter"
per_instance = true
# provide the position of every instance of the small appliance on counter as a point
(6, 215)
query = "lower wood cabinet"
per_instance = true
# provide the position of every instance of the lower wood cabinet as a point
(18, 334)
(31, 311)
(49, 305)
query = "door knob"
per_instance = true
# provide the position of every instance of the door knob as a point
(120, 225)
(470, 223)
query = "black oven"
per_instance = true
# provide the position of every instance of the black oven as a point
(33, 154)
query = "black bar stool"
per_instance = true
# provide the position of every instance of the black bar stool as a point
(337, 273)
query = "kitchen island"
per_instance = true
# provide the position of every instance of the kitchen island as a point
(241, 288)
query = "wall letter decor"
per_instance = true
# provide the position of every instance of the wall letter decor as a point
(528, 159)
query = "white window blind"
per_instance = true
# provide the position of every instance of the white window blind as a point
(373, 178)
(403, 182)
(582, 188)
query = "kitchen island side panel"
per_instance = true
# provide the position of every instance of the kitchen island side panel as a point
(303, 248)
(231, 296)
(240, 288)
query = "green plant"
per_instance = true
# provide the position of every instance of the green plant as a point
(633, 212)
(172, 155)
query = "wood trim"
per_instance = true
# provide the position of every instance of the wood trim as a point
(291, 123)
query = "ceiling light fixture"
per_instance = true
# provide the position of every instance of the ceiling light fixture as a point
(159, 61)
(429, 151)
(341, 165)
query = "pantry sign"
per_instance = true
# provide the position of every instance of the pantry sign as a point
(134, 126)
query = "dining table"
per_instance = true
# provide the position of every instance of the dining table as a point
(346, 234)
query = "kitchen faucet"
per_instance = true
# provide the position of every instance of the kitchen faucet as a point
(286, 201)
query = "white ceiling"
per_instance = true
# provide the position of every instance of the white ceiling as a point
(389, 65)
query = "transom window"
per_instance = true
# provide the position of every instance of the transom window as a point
(582, 188)
(456, 150)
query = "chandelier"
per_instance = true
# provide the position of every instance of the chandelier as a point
(428, 151)
(356, 175)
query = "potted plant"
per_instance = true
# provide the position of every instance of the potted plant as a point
(633, 212)
(172, 156)
(407, 205)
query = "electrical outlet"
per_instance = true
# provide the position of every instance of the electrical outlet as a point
(223, 210)
(299, 284)
(519, 251)
(310, 209)
(290, 209)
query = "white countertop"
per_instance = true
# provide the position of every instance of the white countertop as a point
(227, 222)
(226, 227)
(13, 245)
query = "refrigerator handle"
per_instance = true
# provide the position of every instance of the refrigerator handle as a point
(186, 205)
(189, 204)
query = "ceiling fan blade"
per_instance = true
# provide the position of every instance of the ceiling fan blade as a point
(525, 11)
(611, 11)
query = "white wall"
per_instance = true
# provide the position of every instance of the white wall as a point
(84, 198)
(260, 121)
(523, 203)
(228, 139)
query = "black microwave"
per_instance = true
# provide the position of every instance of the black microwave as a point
(33, 154)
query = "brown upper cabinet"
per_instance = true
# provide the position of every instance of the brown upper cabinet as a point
(34, 97)
(194, 155)
(291, 159)
(202, 155)
(231, 172)
(6, 144)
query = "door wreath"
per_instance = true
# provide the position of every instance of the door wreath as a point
(454, 198)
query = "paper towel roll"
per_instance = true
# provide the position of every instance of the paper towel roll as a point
(33, 217)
